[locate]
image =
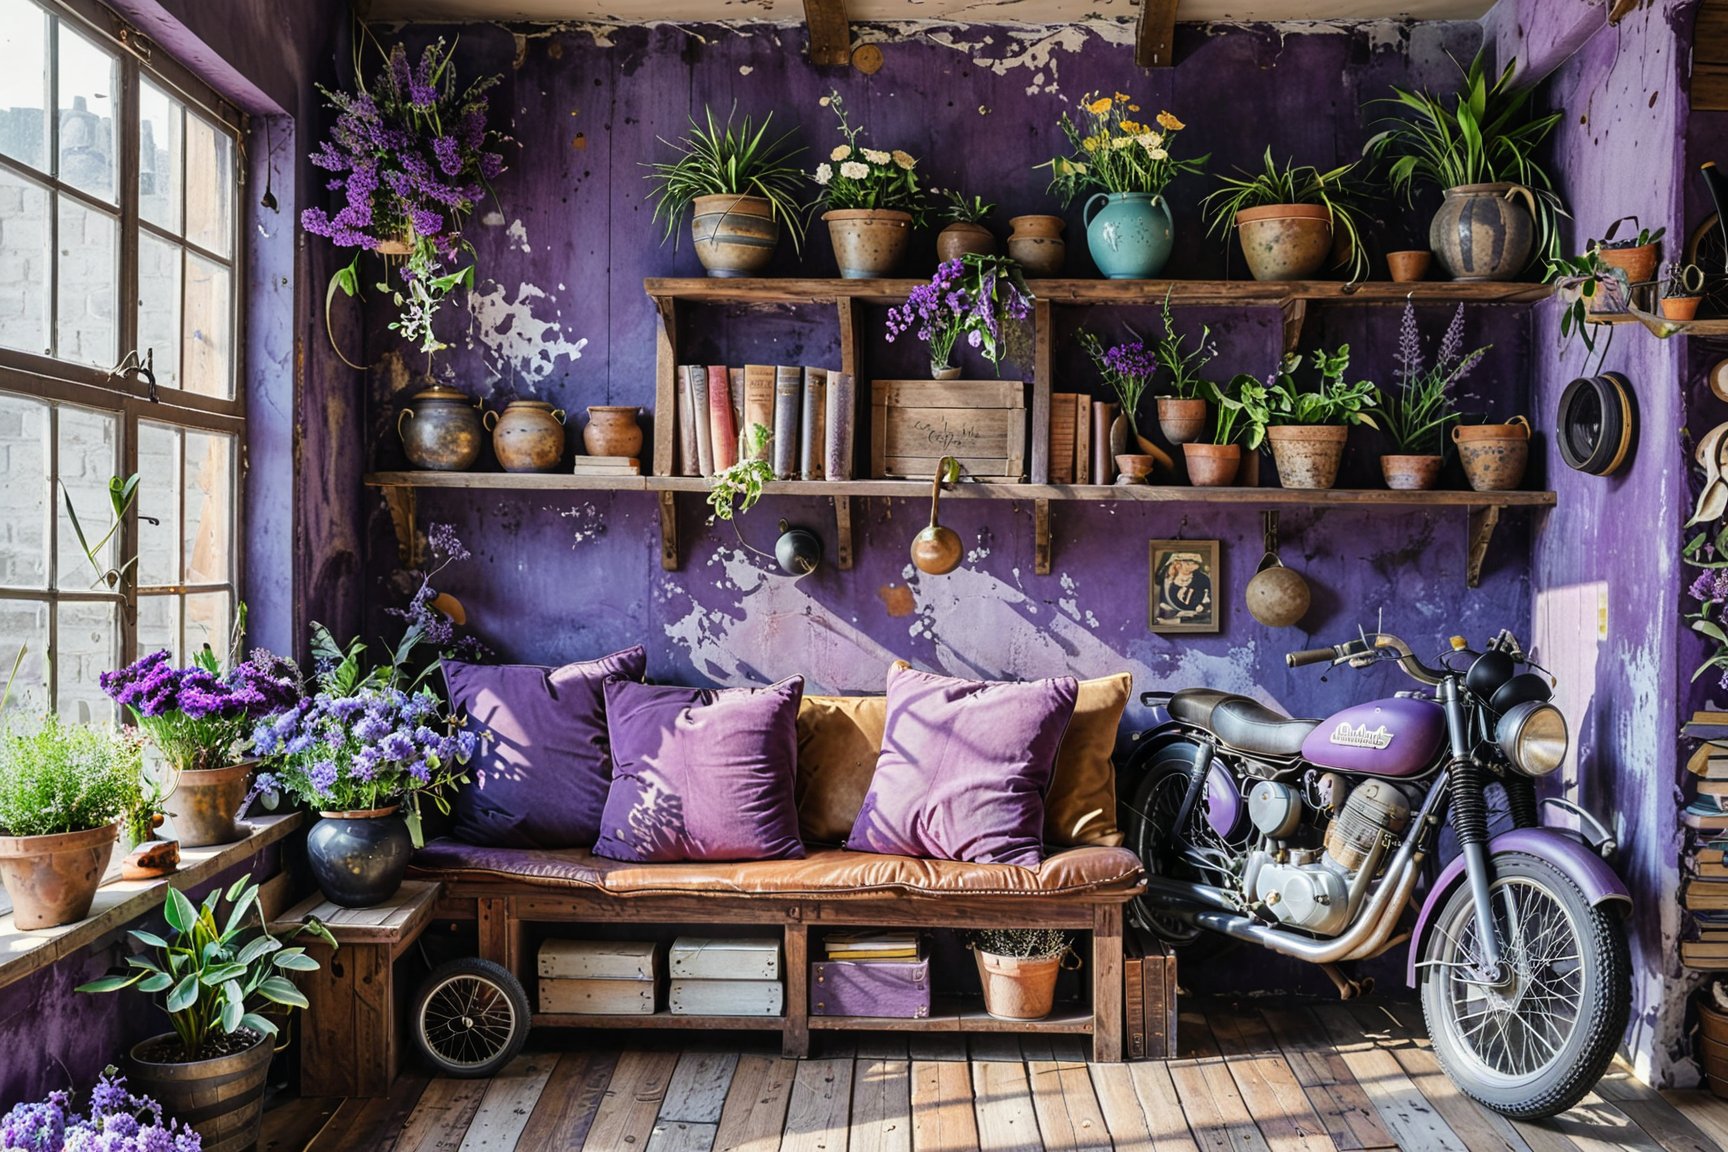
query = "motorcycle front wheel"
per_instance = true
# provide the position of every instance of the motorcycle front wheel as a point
(1153, 835)
(1533, 1045)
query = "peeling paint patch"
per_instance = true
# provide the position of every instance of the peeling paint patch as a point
(518, 344)
(898, 599)
(587, 523)
(518, 237)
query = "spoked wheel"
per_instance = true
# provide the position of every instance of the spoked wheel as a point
(470, 1017)
(1166, 851)
(1534, 1042)
(1707, 249)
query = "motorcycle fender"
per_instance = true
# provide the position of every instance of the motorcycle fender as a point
(1593, 875)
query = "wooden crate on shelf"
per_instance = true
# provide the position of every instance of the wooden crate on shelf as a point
(981, 423)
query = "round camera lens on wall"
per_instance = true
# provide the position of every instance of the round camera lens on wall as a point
(1597, 423)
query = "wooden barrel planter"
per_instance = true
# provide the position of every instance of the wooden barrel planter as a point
(223, 1097)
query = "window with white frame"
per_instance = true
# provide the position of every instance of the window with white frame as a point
(119, 243)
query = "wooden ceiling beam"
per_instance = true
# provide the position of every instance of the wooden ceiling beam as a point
(830, 33)
(1154, 34)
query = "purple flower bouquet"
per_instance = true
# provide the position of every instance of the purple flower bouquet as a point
(983, 298)
(197, 717)
(118, 1121)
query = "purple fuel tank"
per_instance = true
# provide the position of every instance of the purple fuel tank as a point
(1396, 737)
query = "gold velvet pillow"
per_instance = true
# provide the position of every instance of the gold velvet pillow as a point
(1081, 807)
(839, 738)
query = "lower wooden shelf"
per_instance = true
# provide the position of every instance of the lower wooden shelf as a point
(661, 1019)
(959, 1016)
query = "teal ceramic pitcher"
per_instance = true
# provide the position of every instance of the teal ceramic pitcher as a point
(1130, 235)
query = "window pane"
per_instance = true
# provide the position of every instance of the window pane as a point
(159, 306)
(89, 634)
(23, 500)
(87, 463)
(24, 263)
(159, 156)
(88, 285)
(24, 83)
(159, 625)
(209, 186)
(207, 622)
(25, 623)
(209, 509)
(207, 348)
(158, 500)
(88, 82)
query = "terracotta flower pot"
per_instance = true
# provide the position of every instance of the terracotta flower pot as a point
(964, 236)
(868, 242)
(1181, 421)
(1308, 456)
(1409, 266)
(734, 235)
(612, 431)
(1494, 455)
(1212, 465)
(1483, 231)
(1680, 307)
(1036, 242)
(1133, 468)
(205, 804)
(1018, 988)
(528, 436)
(1411, 473)
(1285, 241)
(223, 1098)
(53, 879)
(1639, 262)
(440, 430)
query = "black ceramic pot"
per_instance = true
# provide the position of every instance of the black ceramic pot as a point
(358, 857)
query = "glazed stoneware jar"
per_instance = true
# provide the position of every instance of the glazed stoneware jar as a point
(440, 430)
(528, 436)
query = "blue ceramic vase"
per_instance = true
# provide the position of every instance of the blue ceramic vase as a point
(358, 858)
(1129, 233)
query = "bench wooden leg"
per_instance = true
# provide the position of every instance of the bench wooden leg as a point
(1107, 984)
(795, 1039)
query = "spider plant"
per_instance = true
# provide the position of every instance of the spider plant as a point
(741, 160)
(958, 208)
(1335, 190)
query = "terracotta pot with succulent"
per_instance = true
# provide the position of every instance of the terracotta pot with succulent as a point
(64, 788)
(983, 298)
(1307, 427)
(1417, 414)
(118, 1120)
(965, 232)
(1214, 462)
(739, 185)
(1478, 146)
(220, 976)
(1682, 290)
(1018, 967)
(872, 200)
(1289, 218)
(1126, 164)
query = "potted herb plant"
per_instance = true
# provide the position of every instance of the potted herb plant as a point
(740, 187)
(1018, 967)
(63, 790)
(735, 489)
(118, 1120)
(873, 201)
(1478, 145)
(1288, 218)
(1127, 164)
(220, 975)
(1182, 412)
(965, 231)
(1682, 290)
(983, 298)
(1416, 414)
(1214, 462)
(1308, 427)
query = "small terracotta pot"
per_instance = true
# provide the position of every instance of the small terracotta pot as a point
(964, 236)
(1133, 468)
(528, 436)
(1037, 244)
(223, 1098)
(1494, 455)
(52, 879)
(612, 431)
(945, 372)
(1639, 263)
(1308, 456)
(733, 235)
(1680, 307)
(1411, 473)
(1181, 421)
(1285, 241)
(205, 804)
(1212, 465)
(440, 430)
(1409, 266)
(1018, 988)
(868, 242)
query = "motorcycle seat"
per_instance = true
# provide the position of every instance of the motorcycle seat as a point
(1249, 726)
(1195, 705)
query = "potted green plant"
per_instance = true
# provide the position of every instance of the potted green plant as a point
(1682, 290)
(734, 490)
(1308, 427)
(965, 231)
(1214, 462)
(1289, 217)
(1591, 291)
(873, 201)
(1182, 409)
(220, 975)
(1416, 414)
(63, 789)
(1478, 146)
(740, 186)
(1018, 967)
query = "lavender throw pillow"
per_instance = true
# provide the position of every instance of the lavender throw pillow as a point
(964, 768)
(539, 776)
(702, 773)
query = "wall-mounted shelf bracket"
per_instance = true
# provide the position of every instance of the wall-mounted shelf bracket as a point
(1482, 523)
(669, 531)
(403, 504)
(830, 33)
(843, 533)
(1041, 532)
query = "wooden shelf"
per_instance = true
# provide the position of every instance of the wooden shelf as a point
(959, 1016)
(660, 1019)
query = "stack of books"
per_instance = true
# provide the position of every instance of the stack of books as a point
(608, 466)
(1704, 869)
(807, 412)
(871, 945)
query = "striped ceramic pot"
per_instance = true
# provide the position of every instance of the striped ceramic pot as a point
(1482, 232)
(734, 235)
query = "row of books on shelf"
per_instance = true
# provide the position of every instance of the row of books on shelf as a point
(1704, 861)
(808, 413)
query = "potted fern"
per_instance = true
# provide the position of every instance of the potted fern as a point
(739, 185)
(1289, 218)
(1416, 414)
(1308, 427)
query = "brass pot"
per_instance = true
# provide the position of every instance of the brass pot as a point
(440, 430)
(205, 804)
(1037, 244)
(612, 431)
(937, 550)
(528, 436)
(53, 879)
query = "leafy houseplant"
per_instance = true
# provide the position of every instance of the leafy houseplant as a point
(1416, 414)
(1308, 426)
(983, 298)
(965, 231)
(63, 789)
(1182, 413)
(118, 1120)
(741, 186)
(1589, 286)
(1018, 967)
(735, 490)
(1214, 462)
(873, 200)
(1288, 217)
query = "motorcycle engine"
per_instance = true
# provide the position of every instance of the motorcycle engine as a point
(1310, 889)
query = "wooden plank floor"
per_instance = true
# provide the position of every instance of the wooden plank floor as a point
(1253, 1076)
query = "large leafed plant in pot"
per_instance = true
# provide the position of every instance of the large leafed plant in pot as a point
(1417, 413)
(739, 185)
(871, 198)
(1308, 426)
(1290, 218)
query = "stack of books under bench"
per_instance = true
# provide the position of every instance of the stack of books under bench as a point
(1703, 868)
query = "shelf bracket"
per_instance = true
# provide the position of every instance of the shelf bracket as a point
(403, 503)
(1295, 312)
(830, 33)
(669, 531)
(843, 533)
(1041, 533)
(1482, 522)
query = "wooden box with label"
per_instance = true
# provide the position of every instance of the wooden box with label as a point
(981, 423)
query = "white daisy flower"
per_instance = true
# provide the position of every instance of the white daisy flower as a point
(841, 151)
(1157, 153)
(853, 170)
(875, 157)
(824, 173)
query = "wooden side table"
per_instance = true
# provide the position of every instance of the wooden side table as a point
(351, 1035)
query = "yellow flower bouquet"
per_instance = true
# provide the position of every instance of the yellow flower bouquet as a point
(1113, 150)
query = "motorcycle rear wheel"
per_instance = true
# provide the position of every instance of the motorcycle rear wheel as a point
(1152, 834)
(1532, 1049)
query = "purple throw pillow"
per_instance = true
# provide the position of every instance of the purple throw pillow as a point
(964, 768)
(702, 773)
(540, 773)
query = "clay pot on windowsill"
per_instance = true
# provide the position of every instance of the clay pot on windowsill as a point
(964, 236)
(1308, 456)
(52, 879)
(1212, 465)
(1411, 473)
(1680, 307)
(205, 804)
(1285, 241)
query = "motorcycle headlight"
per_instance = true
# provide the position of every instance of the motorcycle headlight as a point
(1533, 736)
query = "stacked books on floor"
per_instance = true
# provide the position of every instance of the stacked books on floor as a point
(1704, 869)
(725, 976)
(882, 974)
(808, 413)
(599, 977)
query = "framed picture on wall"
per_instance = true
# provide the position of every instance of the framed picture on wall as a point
(1185, 592)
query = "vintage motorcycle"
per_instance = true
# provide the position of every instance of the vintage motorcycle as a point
(1309, 837)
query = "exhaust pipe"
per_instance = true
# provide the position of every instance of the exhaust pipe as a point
(1187, 892)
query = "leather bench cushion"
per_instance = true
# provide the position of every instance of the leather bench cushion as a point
(835, 873)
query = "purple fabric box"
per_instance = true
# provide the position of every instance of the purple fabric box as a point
(894, 988)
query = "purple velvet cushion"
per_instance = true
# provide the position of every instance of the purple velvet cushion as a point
(539, 776)
(964, 768)
(702, 773)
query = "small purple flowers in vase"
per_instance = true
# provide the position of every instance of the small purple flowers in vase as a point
(983, 298)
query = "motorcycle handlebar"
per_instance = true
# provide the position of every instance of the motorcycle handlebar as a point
(1361, 652)
(1310, 656)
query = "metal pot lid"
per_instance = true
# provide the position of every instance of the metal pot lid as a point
(441, 394)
